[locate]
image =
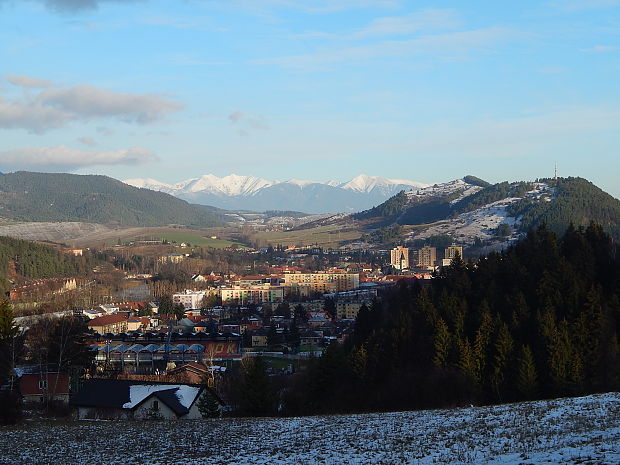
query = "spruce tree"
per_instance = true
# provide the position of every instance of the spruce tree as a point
(257, 397)
(527, 378)
(481, 345)
(502, 351)
(208, 405)
(441, 343)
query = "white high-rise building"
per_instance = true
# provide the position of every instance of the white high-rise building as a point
(399, 258)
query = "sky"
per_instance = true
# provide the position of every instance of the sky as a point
(312, 89)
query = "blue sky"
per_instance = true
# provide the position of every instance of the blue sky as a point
(312, 89)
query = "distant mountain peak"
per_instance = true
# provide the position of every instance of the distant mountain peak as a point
(366, 183)
(251, 192)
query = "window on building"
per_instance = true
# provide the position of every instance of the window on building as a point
(43, 384)
(155, 405)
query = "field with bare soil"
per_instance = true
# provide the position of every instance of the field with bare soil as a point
(75, 234)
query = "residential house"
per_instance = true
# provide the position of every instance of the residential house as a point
(37, 386)
(140, 400)
(259, 338)
(115, 323)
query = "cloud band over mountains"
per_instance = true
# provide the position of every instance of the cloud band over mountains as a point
(53, 107)
(63, 158)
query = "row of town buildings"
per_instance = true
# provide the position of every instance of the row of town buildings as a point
(403, 258)
(272, 289)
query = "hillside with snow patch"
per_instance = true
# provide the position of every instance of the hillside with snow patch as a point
(482, 222)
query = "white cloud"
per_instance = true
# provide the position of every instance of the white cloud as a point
(87, 141)
(31, 115)
(247, 123)
(580, 5)
(600, 49)
(54, 108)
(408, 24)
(424, 20)
(27, 81)
(446, 45)
(329, 6)
(310, 6)
(90, 102)
(73, 6)
(63, 158)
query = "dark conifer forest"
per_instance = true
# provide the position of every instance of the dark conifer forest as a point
(538, 320)
(35, 260)
(26, 196)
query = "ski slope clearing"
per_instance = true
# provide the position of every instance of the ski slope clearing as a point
(568, 431)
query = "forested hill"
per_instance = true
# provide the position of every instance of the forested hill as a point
(33, 260)
(576, 201)
(555, 202)
(27, 196)
(539, 320)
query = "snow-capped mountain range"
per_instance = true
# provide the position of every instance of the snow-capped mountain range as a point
(236, 192)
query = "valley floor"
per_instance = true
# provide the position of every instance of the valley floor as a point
(583, 430)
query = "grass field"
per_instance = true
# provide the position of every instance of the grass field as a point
(189, 237)
(193, 237)
(325, 236)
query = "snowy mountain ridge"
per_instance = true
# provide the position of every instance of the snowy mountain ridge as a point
(234, 184)
(254, 193)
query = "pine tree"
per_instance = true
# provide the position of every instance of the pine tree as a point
(8, 340)
(588, 332)
(441, 343)
(502, 350)
(10, 405)
(481, 344)
(527, 379)
(466, 360)
(256, 397)
(7, 327)
(358, 359)
(208, 405)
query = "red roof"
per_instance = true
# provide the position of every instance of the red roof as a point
(107, 319)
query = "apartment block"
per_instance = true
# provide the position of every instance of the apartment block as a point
(399, 258)
(427, 257)
(324, 281)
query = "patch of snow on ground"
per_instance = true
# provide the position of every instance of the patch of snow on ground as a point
(568, 431)
(443, 190)
(482, 222)
(467, 226)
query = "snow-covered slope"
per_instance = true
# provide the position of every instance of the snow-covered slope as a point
(443, 190)
(230, 185)
(253, 193)
(582, 430)
(482, 222)
(365, 183)
(152, 184)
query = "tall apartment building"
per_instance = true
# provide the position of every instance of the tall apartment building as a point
(450, 253)
(324, 281)
(399, 257)
(258, 293)
(348, 310)
(427, 256)
(189, 299)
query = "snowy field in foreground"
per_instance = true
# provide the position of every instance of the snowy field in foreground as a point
(582, 430)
